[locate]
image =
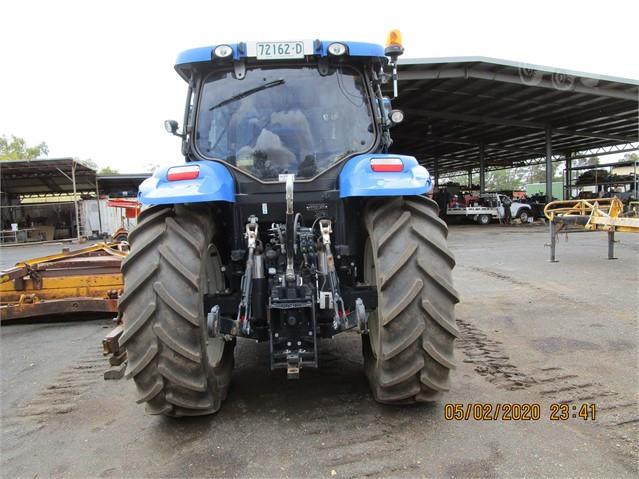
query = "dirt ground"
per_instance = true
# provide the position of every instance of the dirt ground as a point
(532, 332)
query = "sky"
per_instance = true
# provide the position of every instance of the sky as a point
(95, 80)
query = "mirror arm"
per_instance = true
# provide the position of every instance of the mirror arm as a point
(395, 93)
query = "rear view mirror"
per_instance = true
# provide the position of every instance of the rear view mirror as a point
(171, 126)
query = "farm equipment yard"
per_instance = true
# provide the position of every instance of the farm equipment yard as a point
(337, 261)
(532, 332)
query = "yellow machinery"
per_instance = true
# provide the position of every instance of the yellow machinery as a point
(87, 280)
(601, 214)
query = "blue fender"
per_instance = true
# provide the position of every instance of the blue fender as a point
(358, 179)
(214, 183)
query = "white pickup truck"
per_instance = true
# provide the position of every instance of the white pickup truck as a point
(490, 207)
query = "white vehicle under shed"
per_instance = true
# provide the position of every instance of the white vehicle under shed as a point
(490, 207)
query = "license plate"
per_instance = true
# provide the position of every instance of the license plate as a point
(279, 50)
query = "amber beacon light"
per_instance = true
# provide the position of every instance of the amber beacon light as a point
(393, 50)
(394, 38)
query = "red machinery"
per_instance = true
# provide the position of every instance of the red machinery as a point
(131, 209)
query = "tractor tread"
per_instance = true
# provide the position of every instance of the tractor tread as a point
(130, 258)
(428, 381)
(146, 218)
(436, 316)
(403, 302)
(175, 228)
(402, 374)
(386, 207)
(164, 318)
(130, 291)
(134, 368)
(150, 393)
(443, 284)
(429, 212)
(398, 393)
(445, 252)
(170, 258)
(416, 324)
(401, 221)
(174, 304)
(176, 400)
(182, 381)
(399, 264)
(165, 409)
(175, 345)
(136, 324)
(402, 342)
(437, 356)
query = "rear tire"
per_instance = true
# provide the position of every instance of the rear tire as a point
(177, 368)
(483, 219)
(408, 353)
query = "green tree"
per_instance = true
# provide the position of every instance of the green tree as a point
(107, 170)
(509, 179)
(496, 180)
(88, 162)
(537, 173)
(15, 148)
(592, 161)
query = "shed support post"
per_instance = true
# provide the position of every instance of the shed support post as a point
(548, 164)
(75, 201)
(470, 179)
(436, 171)
(636, 185)
(553, 241)
(482, 170)
(611, 244)
(568, 187)
(97, 198)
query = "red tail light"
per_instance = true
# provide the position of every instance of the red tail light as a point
(178, 173)
(380, 165)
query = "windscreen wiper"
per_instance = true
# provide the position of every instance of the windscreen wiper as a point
(246, 93)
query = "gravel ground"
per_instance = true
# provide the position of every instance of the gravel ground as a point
(532, 332)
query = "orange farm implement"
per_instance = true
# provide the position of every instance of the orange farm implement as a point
(86, 280)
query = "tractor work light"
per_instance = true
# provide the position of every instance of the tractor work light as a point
(337, 49)
(385, 165)
(223, 51)
(177, 173)
(397, 116)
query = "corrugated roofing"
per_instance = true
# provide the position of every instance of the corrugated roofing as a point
(45, 176)
(453, 106)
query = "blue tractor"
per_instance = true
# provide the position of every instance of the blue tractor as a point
(288, 222)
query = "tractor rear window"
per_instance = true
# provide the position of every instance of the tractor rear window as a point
(284, 120)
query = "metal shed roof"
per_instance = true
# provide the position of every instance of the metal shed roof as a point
(53, 176)
(45, 176)
(121, 184)
(455, 107)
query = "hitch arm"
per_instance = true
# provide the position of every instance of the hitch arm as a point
(244, 309)
(290, 230)
(333, 281)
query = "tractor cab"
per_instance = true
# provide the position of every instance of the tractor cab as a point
(268, 109)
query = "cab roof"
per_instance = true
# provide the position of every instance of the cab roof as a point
(319, 48)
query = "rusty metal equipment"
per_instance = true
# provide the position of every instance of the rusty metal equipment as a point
(116, 353)
(131, 209)
(87, 280)
(601, 214)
